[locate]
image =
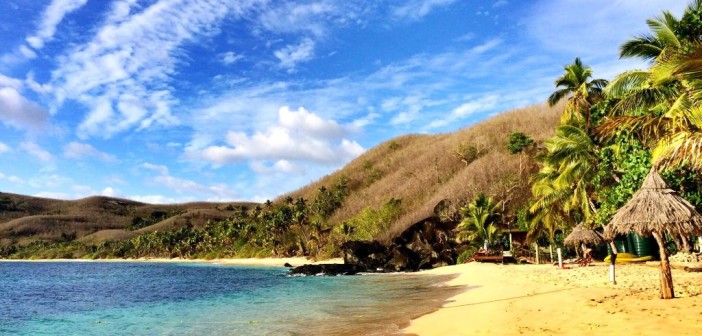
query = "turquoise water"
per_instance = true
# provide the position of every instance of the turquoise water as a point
(93, 298)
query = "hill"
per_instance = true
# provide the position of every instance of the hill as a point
(25, 219)
(423, 170)
(376, 196)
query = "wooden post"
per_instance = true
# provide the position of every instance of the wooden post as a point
(613, 261)
(666, 276)
(550, 251)
(536, 248)
(560, 258)
(699, 242)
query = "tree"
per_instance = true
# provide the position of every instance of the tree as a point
(582, 92)
(517, 142)
(479, 220)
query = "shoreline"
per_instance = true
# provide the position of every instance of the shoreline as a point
(546, 300)
(294, 261)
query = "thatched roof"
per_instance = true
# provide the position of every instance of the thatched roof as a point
(581, 235)
(656, 208)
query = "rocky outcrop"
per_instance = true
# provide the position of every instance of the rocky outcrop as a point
(424, 245)
(326, 269)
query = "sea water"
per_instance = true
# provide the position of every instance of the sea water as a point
(122, 298)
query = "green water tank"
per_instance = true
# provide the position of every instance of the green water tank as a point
(621, 247)
(644, 246)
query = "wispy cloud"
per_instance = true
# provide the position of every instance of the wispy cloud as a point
(230, 57)
(77, 150)
(483, 104)
(122, 74)
(50, 19)
(290, 55)
(184, 186)
(36, 151)
(4, 148)
(417, 9)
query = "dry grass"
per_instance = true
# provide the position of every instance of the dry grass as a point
(95, 219)
(421, 170)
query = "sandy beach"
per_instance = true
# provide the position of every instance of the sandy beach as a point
(546, 300)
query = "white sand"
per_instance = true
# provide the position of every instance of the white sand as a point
(546, 300)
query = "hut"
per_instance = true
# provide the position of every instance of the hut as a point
(581, 235)
(656, 210)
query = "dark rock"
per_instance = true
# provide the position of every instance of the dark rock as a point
(287, 265)
(326, 269)
(370, 256)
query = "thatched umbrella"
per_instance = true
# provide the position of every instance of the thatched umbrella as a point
(655, 210)
(581, 235)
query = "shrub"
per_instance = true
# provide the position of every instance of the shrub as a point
(517, 142)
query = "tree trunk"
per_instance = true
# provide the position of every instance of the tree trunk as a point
(685, 244)
(666, 276)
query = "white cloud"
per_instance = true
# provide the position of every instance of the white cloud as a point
(4, 148)
(77, 150)
(475, 106)
(12, 178)
(21, 113)
(291, 55)
(295, 17)
(185, 186)
(298, 136)
(34, 150)
(109, 192)
(229, 58)
(122, 73)
(27, 53)
(417, 9)
(52, 16)
(160, 199)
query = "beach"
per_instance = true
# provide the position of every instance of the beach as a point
(546, 300)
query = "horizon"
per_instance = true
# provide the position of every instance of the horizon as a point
(179, 101)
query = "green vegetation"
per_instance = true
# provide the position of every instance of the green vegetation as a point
(517, 142)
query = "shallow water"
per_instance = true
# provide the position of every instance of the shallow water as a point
(93, 298)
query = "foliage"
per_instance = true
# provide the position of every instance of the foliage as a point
(467, 153)
(479, 222)
(371, 222)
(517, 142)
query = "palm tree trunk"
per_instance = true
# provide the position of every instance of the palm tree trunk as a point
(666, 276)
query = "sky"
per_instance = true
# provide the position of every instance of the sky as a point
(169, 101)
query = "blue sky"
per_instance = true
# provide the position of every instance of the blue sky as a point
(169, 101)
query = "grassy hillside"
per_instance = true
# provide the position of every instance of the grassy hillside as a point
(24, 219)
(422, 170)
(384, 191)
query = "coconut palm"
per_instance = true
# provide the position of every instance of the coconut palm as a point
(650, 46)
(582, 92)
(479, 221)
(663, 107)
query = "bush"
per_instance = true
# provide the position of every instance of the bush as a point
(517, 142)
(466, 255)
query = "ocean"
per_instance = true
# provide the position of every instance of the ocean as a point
(134, 298)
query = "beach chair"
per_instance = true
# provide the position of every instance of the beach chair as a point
(585, 261)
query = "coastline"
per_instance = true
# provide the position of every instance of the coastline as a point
(546, 300)
(294, 261)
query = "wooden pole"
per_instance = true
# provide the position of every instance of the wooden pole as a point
(699, 242)
(536, 248)
(560, 258)
(550, 251)
(666, 276)
(613, 261)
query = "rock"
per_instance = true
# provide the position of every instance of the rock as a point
(369, 256)
(287, 265)
(325, 269)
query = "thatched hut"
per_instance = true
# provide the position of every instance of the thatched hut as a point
(656, 210)
(581, 235)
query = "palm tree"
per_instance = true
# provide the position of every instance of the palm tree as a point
(650, 46)
(479, 221)
(582, 92)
